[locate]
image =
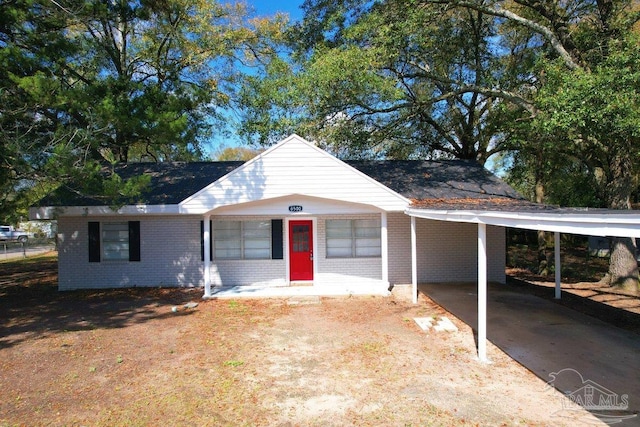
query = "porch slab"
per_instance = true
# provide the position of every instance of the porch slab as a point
(311, 290)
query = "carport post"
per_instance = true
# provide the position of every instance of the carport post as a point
(414, 261)
(384, 243)
(482, 292)
(556, 242)
(207, 255)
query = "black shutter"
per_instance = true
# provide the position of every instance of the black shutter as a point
(94, 241)
(134, 240)
(277, 247)
(202, 241)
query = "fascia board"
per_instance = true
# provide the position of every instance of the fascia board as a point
(53, 212)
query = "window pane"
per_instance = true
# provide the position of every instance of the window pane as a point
(339, 238)
(230, 253)
(340, 249)
(226, 239)
(368, 248)
(338, 228)
(257, 239)
(115, 240)
(256, 229)
(367, 234)
(257, 244)
(367, 228)
(257, 253)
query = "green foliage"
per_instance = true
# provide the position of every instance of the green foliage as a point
(236, 154)
(390, 79)
(85, 83)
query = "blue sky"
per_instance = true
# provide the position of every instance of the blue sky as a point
(261, 8)
(271, 7)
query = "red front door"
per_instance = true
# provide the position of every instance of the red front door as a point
(301, 250)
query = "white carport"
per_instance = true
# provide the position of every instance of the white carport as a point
(591, 222)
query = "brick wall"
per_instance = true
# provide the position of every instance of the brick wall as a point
(170, 255)
(446, 251)
(169, 246)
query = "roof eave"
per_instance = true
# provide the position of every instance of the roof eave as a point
(53, 212)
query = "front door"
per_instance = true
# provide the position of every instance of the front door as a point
(301, 250)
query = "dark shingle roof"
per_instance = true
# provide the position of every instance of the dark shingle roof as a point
(433, 182)
(170, 184)
(437, 180)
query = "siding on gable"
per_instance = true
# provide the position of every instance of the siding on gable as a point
(294, 167)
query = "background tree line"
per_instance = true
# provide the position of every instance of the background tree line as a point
(545, 89)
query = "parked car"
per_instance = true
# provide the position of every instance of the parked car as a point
(8, 233)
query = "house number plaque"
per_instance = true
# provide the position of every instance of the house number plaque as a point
(295, 208)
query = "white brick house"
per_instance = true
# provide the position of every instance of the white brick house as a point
(293, 215)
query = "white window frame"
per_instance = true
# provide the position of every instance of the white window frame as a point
(242, 240)
(114, 238)
(350, 238)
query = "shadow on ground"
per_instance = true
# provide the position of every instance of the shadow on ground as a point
(31, 305)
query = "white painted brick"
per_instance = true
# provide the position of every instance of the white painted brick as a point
(170, 252)
(446, 251)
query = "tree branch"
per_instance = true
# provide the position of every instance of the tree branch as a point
(500, 12)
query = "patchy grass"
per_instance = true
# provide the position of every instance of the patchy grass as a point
(122, 357)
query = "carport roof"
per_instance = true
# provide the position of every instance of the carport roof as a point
(585, 221)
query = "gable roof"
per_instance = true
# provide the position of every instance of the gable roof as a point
(424, 182)
(295, 166)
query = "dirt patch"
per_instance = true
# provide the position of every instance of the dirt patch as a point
(580, 284)
(124, 357)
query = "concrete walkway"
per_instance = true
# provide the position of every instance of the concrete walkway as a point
(548, 338)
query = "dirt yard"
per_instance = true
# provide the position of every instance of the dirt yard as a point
(125, 357)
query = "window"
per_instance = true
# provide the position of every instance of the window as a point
(351, 238)
(257, 239)
(114, 241)
(242, 239)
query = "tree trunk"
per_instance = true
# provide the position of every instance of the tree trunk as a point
(543, 258)
(623, 265)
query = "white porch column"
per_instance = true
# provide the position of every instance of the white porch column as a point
(556, 241)
(207, 255)
(414, 261)
(482, 292)
(384, 241)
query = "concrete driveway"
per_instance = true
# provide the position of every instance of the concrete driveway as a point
(548, 338)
